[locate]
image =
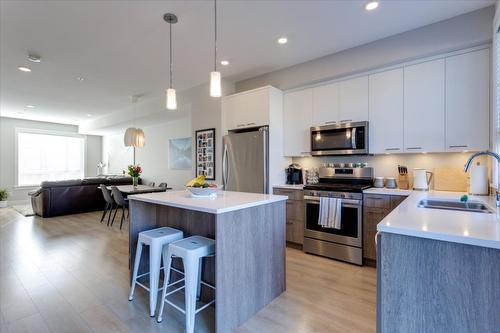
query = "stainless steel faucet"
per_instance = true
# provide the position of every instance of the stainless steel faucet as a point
(489, 153)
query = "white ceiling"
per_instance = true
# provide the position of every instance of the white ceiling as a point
(120, 47)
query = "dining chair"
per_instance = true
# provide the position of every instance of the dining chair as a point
(121, 202)
(109, 202)
(163, 185)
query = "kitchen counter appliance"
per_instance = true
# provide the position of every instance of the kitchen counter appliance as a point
(294, 174)
(347, 184)
(345, 138)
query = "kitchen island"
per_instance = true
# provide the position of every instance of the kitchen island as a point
(248, 269)
(438, 270)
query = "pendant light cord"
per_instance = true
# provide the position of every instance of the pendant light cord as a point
(170, 54)
(215, 34)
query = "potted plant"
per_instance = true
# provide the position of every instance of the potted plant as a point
(3, 197)
(134, 171)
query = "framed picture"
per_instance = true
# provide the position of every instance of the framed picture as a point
(205, 153)
(180, 156)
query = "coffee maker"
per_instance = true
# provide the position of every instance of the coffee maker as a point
(294, 174)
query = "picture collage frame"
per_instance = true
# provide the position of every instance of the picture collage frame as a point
(205, 153)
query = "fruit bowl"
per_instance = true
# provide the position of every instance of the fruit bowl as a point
(203, 191)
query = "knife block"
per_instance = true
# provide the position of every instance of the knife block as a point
(403, 182)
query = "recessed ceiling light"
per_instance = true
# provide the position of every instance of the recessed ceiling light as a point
(282, 40)
(24, 69)
(29, 106)
(371, 5)
(89, 115)
(34, 58)
(224, 62)
(80, 78)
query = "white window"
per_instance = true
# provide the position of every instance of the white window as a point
(43, 155)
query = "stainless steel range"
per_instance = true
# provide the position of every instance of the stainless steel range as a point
(347, 184)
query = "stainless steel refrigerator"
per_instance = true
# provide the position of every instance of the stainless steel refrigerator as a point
(245, 161)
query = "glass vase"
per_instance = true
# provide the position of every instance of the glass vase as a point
(135, 181)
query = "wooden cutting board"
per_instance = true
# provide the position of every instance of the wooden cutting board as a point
(450, 179)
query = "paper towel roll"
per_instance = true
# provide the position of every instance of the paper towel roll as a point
(479, 180)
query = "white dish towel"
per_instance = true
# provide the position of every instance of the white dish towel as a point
(330, 213)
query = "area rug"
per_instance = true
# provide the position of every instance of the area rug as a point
(25, 210)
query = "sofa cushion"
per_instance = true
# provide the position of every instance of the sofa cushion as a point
(94, 180)
(119, 179)
(61, 183)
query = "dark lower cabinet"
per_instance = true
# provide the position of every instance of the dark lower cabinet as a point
(294, 214)
(375, 208)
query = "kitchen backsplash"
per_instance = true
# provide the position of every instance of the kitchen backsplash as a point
(387, 165)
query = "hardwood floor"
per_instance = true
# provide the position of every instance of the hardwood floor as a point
(70, 274)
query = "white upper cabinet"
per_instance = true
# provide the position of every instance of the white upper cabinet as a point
(424, 107)
(297, 121)
(467, 101)
(353, 99)
(386, 112)
(246, 109)
(325, 104)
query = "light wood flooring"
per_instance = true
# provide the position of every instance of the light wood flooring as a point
(70, 274)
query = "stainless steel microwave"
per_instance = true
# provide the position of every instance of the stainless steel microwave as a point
(340, 139)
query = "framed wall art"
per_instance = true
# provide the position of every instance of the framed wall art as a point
(179, 155)
(205, 153)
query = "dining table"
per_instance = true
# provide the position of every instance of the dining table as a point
(139, 189)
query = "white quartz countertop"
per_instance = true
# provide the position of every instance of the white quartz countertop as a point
(224, 202)
(387, 191)
(463, 227)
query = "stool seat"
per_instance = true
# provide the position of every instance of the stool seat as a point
(163, 235)
(195, 246)
(156, 239)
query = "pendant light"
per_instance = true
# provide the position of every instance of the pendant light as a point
(134, 137)
(215, 80)
(171, 102)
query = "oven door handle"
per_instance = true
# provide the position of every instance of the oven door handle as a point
(345, 202)
(353, 138)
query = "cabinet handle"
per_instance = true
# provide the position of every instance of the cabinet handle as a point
(346, 121)
(250, 124)
(409, 148)
(391, 149)
(240, 125)
(458, 146)
(331, 122)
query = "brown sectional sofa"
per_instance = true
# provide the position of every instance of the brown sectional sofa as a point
(55, 198)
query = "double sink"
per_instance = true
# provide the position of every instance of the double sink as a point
(468, 206)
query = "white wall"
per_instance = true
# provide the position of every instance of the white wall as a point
(460, 32)
(206, 113)
(7, 152)
(153, 157)
(200, 111)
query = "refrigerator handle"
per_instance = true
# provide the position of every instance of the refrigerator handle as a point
(265, 132)
(224, 167)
